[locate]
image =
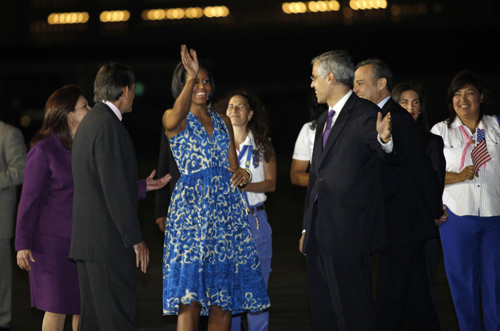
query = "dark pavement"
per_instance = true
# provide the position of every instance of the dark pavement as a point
(287, 285)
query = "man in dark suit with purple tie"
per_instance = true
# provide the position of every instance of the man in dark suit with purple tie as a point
(344, 203)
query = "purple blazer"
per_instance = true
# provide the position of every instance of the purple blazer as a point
(46, 204)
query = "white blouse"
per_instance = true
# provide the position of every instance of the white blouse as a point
(258, 174)
(481, 195)
(305, 143)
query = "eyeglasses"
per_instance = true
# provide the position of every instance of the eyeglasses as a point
(313, 77)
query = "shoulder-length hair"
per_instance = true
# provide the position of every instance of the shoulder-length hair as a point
(422, 120)
(259, 124)
(60, 104)
(462, 79)
(179, 78)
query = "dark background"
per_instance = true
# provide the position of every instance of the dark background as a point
(259, 47)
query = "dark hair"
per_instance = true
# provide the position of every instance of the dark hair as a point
(422, 120)
(461, 80)
(259, 124)
(110, 81)
(179, 78)
(60, 104)
(380, 70)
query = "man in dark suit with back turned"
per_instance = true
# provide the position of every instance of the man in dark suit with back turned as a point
(412, 197)
(344, 203)
(106, 233)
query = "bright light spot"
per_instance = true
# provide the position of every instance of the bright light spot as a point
(116, 16)
(208, 12)
(190, 12)
(68, 18)
(354, 4)
(383, 4)
(312, 6)
(322, 6)
(334, 5)
(180, 13)
(286, 8)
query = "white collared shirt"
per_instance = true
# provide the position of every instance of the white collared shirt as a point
(338, 108)
(479, 196)
(114, 109)
(382, 103)
(258, 174)
(304, 145)
(387, 147)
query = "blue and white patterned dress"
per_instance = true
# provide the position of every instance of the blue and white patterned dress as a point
(209, 253)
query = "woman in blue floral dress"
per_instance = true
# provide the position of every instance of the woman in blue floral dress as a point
(210, 264)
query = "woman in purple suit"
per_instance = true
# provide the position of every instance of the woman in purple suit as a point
(45, 214)
(44, 219)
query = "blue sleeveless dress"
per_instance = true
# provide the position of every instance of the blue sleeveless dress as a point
(209, 252)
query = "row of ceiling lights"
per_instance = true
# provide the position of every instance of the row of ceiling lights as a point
(180, 13)
(147, 15)
(312, 6)
(211, 11)
(324, 6)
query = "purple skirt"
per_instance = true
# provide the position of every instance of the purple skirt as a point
(53, 277)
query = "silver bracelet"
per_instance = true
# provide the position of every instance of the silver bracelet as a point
(250, 176)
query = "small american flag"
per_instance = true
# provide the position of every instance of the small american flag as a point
(480, 153)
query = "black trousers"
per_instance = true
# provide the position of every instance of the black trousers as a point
(108, 296)
(340, 289)
(403, 293)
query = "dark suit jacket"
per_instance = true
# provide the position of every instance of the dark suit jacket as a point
(105, 223)
(166, 164)
(434, 147)
(346, 177)
(412, 193)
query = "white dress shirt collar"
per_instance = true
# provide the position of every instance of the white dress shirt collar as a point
(457, 123)
(382, 103)
(341, 103)
(114, 109)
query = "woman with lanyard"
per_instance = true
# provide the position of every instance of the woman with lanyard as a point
(471, 248)
(255, 152)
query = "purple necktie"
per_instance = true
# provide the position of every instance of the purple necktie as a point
(328, 126)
